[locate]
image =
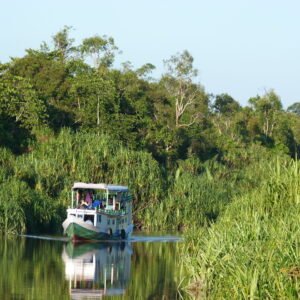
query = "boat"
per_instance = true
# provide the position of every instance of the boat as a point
(99, 212)
(95, 270)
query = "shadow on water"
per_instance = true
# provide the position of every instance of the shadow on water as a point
(49, 269)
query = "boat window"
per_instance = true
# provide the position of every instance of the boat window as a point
(89, 218)
(108, 221)
(113, 222)
(99, 218)
(72, 215)
(80, 216)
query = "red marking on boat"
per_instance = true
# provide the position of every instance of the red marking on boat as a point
(78, 239)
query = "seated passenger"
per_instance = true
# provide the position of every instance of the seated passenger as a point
(83, 204)
(89, 199)
(78, 198)
(96, 204)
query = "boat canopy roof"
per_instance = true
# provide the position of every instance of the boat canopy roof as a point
(100, 186)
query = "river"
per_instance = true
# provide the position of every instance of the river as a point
(146, 267)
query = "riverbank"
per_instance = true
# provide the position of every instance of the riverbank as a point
(252, 251)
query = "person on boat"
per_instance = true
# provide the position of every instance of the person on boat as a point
(83, 205)
(97, 204)
(88, 199)
(79, 200)
(110, 200)
(78, 196)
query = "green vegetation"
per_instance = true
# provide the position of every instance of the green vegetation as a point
(253, 249)
(37, 190)
(223, 173)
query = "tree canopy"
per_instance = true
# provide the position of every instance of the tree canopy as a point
(67, 113)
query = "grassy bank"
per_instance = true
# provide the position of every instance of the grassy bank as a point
(199, 192)
(253, 249)
(240, 212)
(35, 187)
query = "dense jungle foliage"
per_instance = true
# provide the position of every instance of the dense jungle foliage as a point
(202, 163)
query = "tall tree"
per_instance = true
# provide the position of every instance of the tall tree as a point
(225, 104)
(19, 100)
(294, 108)
(94, 99)
(63, 43)
(22, 113)
(268, 107)
(136, 106)
(187, 95)
(100, 49)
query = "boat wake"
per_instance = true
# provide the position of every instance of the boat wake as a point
(160, 239)
(132, 239)
(48, 238)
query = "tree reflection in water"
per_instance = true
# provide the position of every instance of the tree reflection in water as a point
(41, 269)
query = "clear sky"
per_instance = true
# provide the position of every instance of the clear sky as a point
(240, 47)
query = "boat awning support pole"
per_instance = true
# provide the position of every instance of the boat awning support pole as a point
(72, 199)
(106, 197)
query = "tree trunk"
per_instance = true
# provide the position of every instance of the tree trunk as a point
(98, 111)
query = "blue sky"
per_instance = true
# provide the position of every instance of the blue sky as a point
(240, 47)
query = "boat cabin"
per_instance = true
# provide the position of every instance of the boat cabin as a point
(103, 196)
(105, 206)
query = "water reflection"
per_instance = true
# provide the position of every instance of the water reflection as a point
(34, 269)
(94, 270)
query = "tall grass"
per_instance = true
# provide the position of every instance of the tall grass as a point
(48, 171)
(253, 250)
(192, 202)
(200, 192)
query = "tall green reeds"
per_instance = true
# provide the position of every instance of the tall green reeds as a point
(192, 202)
(54, 163)
(200, 192)
(252, 252)
(13, 194)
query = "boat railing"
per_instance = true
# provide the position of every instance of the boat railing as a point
(112, 211)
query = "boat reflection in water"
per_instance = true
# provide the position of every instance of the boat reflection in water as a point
(97, 269)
